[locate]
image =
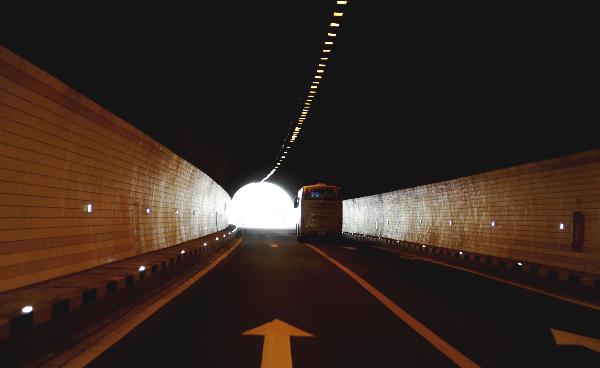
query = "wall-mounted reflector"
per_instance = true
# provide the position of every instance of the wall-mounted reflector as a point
(88, 208)
(182, 251)
(176, 212)
(27, 309)
(561, 226)
(142, 269)
(148, 210)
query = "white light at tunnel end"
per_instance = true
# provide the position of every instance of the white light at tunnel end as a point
(217, 238)
(142, 268)
(182, 251)
(27, 309)
(205, 244)
(262, 205)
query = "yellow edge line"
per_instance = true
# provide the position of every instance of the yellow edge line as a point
(445, 348)
(498, 279)
(113, 337)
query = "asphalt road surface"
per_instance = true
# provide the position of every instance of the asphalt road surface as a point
(271, 276)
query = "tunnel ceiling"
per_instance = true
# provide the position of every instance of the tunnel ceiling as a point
(413, 93)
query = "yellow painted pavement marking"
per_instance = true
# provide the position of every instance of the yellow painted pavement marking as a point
(456, 356)
(568, 338)
(277, 349)
(498, 279)
(85, 357)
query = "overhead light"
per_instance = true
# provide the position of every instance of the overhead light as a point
(337, 14)
(322, 65)
(217, 238)
(142, 269)
(324, 58)
(318, 76)
(182, 251)
(342, 2)
(282, 156)
(326, 50)
(329, 42)
(331, 34)
(314, 87)
(205, 244)
(320, 71)
(313, 92)
(334, 24)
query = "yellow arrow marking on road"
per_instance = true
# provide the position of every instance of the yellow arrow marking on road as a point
(568, 338)
(277, 350)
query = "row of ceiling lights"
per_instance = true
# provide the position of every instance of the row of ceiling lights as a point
(312, 90)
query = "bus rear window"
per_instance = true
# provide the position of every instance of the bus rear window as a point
(323, 194)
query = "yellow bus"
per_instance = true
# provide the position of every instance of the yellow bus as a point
(319, 211)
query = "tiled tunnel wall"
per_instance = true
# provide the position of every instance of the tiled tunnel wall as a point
(59, 152)
(513, 213)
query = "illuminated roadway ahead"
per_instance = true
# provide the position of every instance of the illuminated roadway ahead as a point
(277, 301)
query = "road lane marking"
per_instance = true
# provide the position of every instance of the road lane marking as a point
(274, 246)
(92, 352)
(456, 356)
(350, 248)
(277, 349)
(498, 279)
(568, 338)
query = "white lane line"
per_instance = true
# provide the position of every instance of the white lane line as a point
(456, 356)
(91, 353)
(498, 279)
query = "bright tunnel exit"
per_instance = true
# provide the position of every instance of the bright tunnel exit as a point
(262, 205)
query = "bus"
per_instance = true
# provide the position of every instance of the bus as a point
(319, 211)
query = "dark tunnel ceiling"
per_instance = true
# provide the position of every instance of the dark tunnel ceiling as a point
(413, 93)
